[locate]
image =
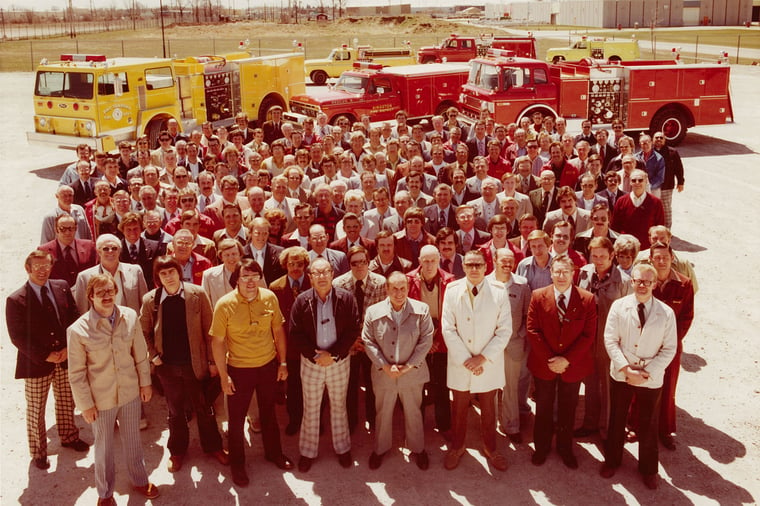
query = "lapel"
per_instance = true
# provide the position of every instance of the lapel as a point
(81, 251)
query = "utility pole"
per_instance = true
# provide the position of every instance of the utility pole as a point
(163, 34)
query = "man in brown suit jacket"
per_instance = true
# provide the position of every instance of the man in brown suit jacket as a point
(183, 363)
(561, 329)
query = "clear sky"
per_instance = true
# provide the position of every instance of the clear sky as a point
(41, 5)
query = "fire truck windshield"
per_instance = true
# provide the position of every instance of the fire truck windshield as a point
(351, 83)
(64, 84)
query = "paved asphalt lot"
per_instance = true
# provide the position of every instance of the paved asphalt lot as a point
(718, 455)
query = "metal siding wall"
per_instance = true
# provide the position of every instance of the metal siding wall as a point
(581, 13)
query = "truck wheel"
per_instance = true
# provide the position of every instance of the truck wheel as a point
(428, 59)
(557, 59)
(319, 77)
(672, 123)
(615, 59)
(153, 131)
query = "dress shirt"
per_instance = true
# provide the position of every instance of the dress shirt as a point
(637, 201)
(326, 332)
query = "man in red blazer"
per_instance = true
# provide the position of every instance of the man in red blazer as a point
(561, 329)
(192, 263)
(70, 255)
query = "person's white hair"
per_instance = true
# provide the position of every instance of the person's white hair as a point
(103, 239)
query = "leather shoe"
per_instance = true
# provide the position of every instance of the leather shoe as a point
(668, 441)
(304, 463)
(538, 458)
(106, 501)
(451, 461)
(282, 462)
(240, 477)
(150, 491)
(607, 471)
(650, 480)
(77, 445)
(41, 463)
(175, 463)
(346, 460)
(584, 432)
(516, 438)
(221, 456)
(569, 460)
(292, 429)
(375, 460)
(422, 459)
(496, 459)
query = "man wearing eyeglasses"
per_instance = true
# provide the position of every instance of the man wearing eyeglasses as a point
(37, 315)
(249, 348)
(636, 212)
(70, 255)
(641, 340)
(129, 278)
(368, 288)
(164, 146)
(477, 324)
(561, 329)
(324, 324)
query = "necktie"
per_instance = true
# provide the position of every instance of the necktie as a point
(545, 203)
(260, 258)
(474, 291)
(380, 221)
(47, 304)
(561, 308)
(571, 221)
(207, 200)
(87, 191)
(68, 257)
(601, 153)
(467, 243)
(441, 219)
(447, 265)
(133, 252)
(525, 185)
(642, 318)
(296, 287)
(359, 295)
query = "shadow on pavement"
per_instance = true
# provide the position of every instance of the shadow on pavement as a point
(54, 172)
(695, 145)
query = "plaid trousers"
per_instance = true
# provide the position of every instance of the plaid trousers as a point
(314, 378)
(36, 392)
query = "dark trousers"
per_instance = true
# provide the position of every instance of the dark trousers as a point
(437, 390)
(361, 368)
(460, 408)
(566, 396)
(262, 380)
(648, 400)
(668, 399)
(180, 384)
(294, 392)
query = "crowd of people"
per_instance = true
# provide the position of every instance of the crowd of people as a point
(450, 266)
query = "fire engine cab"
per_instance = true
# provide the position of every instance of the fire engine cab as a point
(370, 88)
(101, 101)
(647, 95)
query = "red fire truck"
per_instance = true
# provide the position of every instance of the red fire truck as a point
(421, 90)
(464, 48)
(647, 95)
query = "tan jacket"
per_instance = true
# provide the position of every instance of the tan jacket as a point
(198, 316)
(107, 365)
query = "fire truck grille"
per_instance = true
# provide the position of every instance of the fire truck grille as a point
(306, 110)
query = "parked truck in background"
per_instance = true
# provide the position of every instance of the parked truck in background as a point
(596, 49)
(102, 101)
(342, 59)
(464, 48)
(646, 95)
(421, 90)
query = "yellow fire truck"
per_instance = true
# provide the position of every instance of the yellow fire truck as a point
(91, 99)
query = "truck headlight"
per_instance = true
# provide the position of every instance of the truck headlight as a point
(42, 122)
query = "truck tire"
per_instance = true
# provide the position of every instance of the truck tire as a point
(615, 59)
(153, 130)
(428, 59)
(557, 59)
(672, 123)
(319, 77)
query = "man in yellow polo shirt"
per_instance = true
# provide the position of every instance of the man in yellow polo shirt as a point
(249, 350)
